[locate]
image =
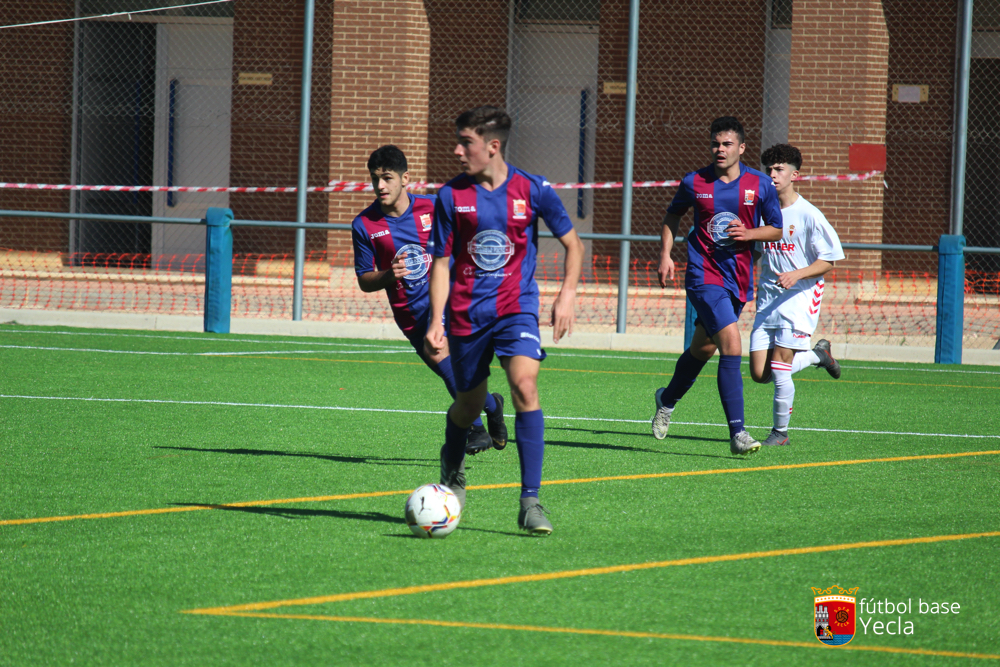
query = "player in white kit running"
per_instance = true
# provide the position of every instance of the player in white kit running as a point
(790, 291)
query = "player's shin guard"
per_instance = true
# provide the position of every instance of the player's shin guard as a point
(529, 429)
(454, 441)
(731, 391)
(685, 373)
(784, 394)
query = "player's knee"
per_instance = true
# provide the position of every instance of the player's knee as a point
(760, 377)
(524, 393)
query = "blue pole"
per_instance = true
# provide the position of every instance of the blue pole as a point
(300, 209)
(950, 299)
(218, 269)
(625, 248)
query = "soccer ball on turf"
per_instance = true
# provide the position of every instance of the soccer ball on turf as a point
(433, 511)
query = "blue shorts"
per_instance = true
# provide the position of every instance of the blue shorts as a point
(509, 336)
(716, 306)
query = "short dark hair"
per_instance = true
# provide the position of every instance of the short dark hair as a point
(727, 124)
(782, 153)
(489, 122)
(388, 158)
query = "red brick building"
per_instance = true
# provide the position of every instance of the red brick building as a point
(816, 73)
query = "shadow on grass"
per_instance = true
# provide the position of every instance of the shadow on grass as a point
(296, 513)
(373, 460)
(469, 529)
(627, 448)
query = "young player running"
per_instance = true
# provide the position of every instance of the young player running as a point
(730, 200)
(487, 220)
(390, 253)
(790, 291)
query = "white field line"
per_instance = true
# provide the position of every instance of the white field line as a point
(268, 341)
(204, 354)
(405, 347)
(441, 412)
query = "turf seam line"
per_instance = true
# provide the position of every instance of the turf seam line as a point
(608, 633)
(486, 487)
(441, 412)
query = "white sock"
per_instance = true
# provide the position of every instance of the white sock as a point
(804, 359)
(784, 394)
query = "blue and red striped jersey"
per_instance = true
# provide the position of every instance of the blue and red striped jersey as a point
(750, 197)
(378, 239)
(492, 236)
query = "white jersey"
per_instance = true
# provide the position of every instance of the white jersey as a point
(806, 237)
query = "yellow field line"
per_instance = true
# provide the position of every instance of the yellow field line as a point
(581, 480)
(611, 633)
(568, 574)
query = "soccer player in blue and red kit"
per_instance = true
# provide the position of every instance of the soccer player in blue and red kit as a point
(390, 253)
(734, 206)
(487, 221)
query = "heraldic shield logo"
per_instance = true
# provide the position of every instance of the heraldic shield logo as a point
(834, 615)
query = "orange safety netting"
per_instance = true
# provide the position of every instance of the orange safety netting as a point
(877, 307)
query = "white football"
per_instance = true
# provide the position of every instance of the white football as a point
(433, 511)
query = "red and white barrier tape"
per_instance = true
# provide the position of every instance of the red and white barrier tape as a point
(362, 186)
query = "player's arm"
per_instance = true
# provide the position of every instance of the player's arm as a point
(564, 308)
(665, 271)
(440, 286)
(763, 233)
(817, 268)
(373, 281)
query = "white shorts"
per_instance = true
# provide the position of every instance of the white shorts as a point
(767, 339)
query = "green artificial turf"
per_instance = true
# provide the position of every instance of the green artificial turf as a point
(230, 443)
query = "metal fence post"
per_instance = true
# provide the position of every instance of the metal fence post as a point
(218, 269)
(624, 263)
(300, 208)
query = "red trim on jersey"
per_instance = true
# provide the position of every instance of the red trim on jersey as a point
(706, 210)
(385, 252)
(744, 260)
(464, 270)
(509, 293)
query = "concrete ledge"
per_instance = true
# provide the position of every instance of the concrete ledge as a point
(388, 331)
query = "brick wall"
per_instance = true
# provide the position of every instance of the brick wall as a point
(379, 95)
(468, 68)
(840, 56)
(267, 38)
(685, 81)
(36, 65)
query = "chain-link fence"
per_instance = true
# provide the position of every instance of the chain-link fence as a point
(208, 95)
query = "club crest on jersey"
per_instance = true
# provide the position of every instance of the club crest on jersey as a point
(425, 222)
(791, 229)
(834, 615)
(415, 259)
(748, 197)
(491, 249)
(520, 208)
